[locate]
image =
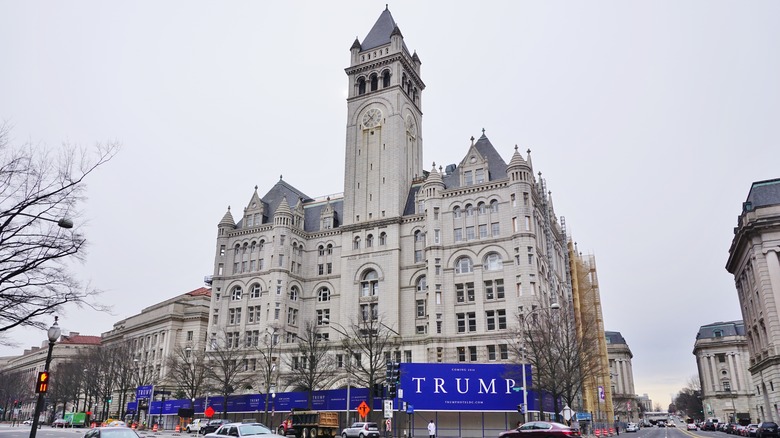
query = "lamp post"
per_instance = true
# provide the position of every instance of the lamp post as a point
(553, 306)
(53, 334)
(271, 367)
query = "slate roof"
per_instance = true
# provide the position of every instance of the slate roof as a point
(496, 164)
(312, 214)
(763, 193)
(730, 328)
(614, 338)
(379, 35)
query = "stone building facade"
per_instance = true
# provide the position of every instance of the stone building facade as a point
(754, 260)
(722, 359)
(446, 258)
(621, 372)
(33, 360)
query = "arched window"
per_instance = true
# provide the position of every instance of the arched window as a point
(469, 210)
(369, 241)
(330, 249)
(374, 82)
(361, 86)
(321, 250)
(481, 208)
(294, 293)
(235, 294)
(254, 291)
(463, 265)
(323, 294)
(456, 212)
(356, 243)
(253, 246)
(492, 262)
(369, 286)
(260, 245)
(418, 236)
(422, 284)
(386, 79)
(382, 239)
(494, 206)
(237, 250)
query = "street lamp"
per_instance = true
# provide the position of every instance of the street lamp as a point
(553, 306)
(53, 334)
(63, 222)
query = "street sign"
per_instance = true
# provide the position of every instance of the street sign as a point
(602, 394)
(209, 412)
(567, 413)
(388, 409)
(363, 409)
(409, 408)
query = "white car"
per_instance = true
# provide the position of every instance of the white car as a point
(27, 422)
(632, 427)
(197, 425)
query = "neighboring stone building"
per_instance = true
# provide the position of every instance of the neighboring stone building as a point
(159, 329)
(723, 361)
(754, 260)
(33, 360)
(645, 402)
(447, 258)
(621, 374)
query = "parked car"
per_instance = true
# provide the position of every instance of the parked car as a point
(27, 422)
(60, 422)
(111, 432)
(750, 430)
(691, 426)
(632, 427)
(212, 426)
(242, 429)
(361, 430)
(197, 425)
(767, 429)
(540, 429)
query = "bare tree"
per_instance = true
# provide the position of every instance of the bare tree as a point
(14, 387)
(369, 344)
(311, 362)
(689, 399)
(39, 196)
(124, 373)
(227, 361)
(188, 368)
(266, 347)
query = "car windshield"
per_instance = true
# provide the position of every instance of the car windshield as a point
(253, 429)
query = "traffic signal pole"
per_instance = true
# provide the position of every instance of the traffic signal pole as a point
(41, 395)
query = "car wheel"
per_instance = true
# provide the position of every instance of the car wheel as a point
(344, 435)
(361, 436)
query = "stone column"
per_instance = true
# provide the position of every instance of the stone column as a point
(773, 266)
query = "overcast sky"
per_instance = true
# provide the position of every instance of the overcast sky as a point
(649, 120)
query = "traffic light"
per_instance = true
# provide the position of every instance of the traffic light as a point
(108, 399)
(395, 373)
(42, 384)
(389, 372)
(521, 408)
(391, 390)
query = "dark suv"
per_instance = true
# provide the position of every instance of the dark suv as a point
(212, 426)
(767, 429)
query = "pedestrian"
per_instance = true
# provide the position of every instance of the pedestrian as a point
(431, 430)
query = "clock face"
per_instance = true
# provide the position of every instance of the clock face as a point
(372, 117)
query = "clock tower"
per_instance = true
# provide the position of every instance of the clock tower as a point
(384, 119)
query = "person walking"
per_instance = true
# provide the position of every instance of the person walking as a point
(431, 430)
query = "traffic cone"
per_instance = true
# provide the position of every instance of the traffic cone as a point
(598, 432)
(177, 429)
(154, 428)
(93, 425)
(133, 426)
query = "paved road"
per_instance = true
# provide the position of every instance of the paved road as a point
(7, 431)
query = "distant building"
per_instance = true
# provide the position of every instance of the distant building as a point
(33, 361)
(723, 361)
(754, 260)
(621, 374)
(646, 403)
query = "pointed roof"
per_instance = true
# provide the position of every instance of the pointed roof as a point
(227, 219)
(434, 177)
(496, 164)
(283, 208)
(517, 159)
(379, 35)
(282, 191)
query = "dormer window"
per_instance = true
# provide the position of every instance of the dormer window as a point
(480, 175)
(468, 178)
(718, 333)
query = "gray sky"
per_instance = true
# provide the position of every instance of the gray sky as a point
(649, 121)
